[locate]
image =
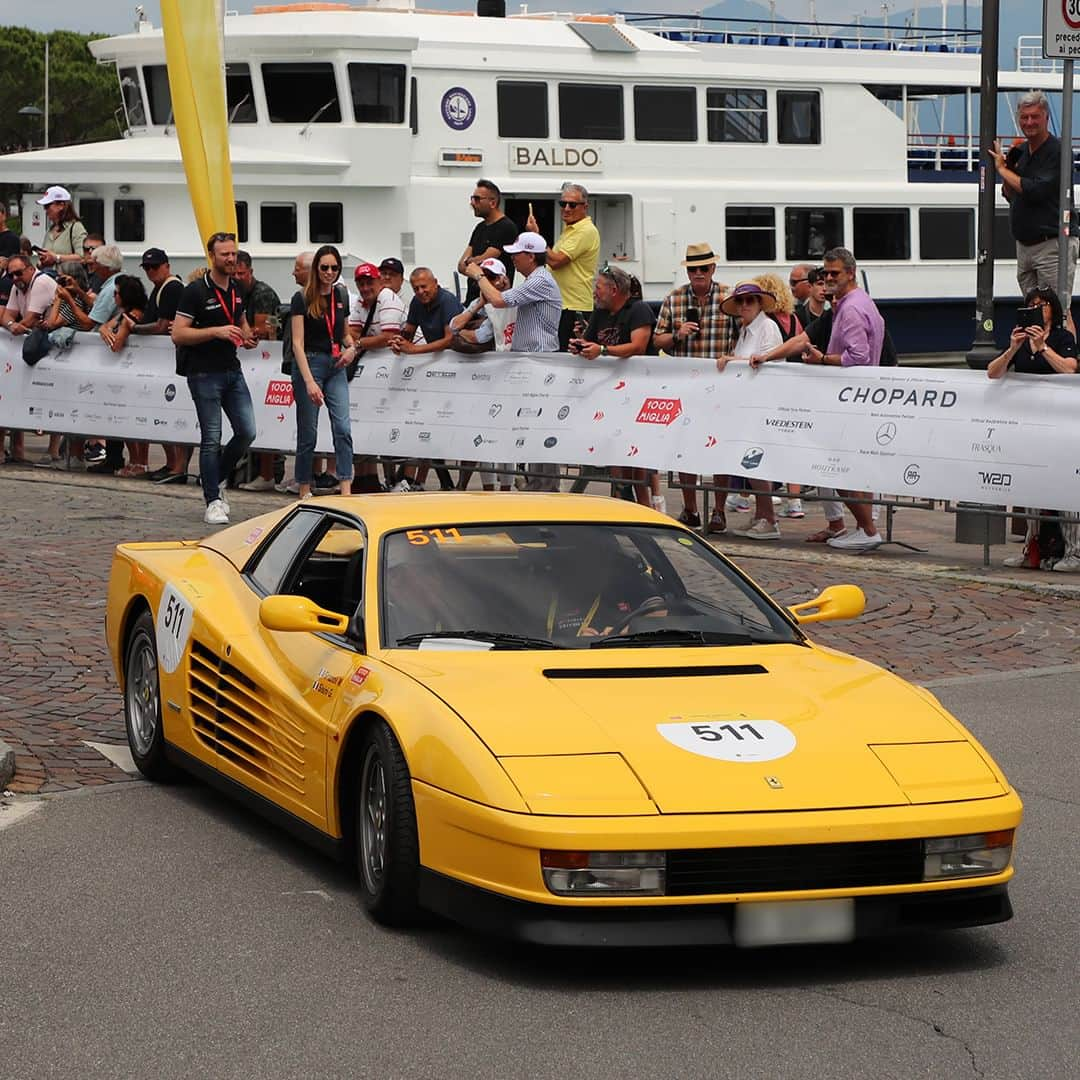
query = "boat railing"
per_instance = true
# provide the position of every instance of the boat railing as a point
(1029, 56)
(945, 152)
(784, 33)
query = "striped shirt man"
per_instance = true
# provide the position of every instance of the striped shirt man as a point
(539, 306)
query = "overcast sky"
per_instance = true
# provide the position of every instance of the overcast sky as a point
(118, 16)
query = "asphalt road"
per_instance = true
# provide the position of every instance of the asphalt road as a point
(163, 932)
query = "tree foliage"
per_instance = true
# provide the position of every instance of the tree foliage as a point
(83, 95)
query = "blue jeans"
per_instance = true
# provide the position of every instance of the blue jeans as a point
(215, 392)
(334, 384)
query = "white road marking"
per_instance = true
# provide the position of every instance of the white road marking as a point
(15, 809)
(118, 754)
(309, 892)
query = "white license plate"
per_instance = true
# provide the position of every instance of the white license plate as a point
(794, 922)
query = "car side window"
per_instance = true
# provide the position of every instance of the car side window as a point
(279, 552)
(332, 573)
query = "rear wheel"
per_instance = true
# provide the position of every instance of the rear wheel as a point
(142, 703)
(386, 841)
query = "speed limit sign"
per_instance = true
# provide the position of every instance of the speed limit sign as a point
(1061, 29)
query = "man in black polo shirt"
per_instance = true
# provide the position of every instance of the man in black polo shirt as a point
(490, 237)
(1029, 181)
(208, 327)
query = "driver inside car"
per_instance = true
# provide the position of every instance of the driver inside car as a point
(595, 590)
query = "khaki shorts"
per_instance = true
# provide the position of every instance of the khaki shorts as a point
(1037, 267)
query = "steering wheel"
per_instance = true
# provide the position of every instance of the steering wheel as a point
(652, 603)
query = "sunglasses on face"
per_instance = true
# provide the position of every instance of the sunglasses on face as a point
(329, 266)
(797, 280)
(703, 269)
(831, 273)
(479, 198)
(740, 300)
(566, 204)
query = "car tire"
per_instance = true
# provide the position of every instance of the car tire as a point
(387, 848)
(142, 703)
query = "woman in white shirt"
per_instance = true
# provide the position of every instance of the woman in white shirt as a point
(757, 333)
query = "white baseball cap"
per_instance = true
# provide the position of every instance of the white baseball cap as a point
(55, 194)
(495, 266)
(531, 242)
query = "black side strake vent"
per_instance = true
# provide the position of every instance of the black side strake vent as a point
(655, 672)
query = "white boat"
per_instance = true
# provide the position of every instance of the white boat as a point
(367, 127)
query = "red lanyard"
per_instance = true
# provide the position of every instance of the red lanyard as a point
(331, 320)
(224, 306)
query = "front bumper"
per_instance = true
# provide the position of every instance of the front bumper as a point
(691, 924)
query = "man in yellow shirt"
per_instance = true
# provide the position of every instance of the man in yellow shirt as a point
(572, 259)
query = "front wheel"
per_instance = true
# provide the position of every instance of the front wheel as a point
(142, 703)
(386, 840)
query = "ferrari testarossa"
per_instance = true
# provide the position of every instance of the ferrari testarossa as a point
(560, 718)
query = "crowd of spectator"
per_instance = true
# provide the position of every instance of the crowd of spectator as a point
(522, 293)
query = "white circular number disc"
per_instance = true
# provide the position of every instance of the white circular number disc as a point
(173, 627)
(738, 740)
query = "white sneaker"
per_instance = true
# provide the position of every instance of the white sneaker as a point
(736, 504)
(401, 487)
(1070, 564)
(856, 541)
(794, 509)
(260, 483)
(223, 497)
(217, 513)
(290, 487)
(659, 503)
(760, 529)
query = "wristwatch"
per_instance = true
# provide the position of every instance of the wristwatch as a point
(603, 350)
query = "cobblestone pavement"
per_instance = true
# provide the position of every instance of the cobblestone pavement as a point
(928, 615)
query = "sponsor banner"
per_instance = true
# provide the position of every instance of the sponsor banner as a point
(929, 433)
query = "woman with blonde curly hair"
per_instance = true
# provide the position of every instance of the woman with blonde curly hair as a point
(784, 316)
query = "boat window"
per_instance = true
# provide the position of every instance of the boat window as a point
(750, 233)
(947, 232)
(325, 223)
(132, 94)
(241, 222)
(301, 93)
(523, 109)
(882, 233)
(277, 223)
(378, 93)
(665, 114)
(414, 118)
(798, 116)
(1004, 244)
(158, 93)
(239, 94)
(734, 115)
(590, 111)
(129, 220)
(92, 213)
(810, 231)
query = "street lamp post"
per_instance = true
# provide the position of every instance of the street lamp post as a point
(983, 348)
(35, 112)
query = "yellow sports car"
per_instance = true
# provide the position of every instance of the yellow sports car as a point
(561, 718)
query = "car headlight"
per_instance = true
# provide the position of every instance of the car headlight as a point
(604, 873)
(976, 855)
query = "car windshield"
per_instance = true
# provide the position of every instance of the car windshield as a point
(570, 586)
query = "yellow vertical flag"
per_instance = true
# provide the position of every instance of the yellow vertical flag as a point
(195, 57)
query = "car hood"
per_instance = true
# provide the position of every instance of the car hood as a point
(775, 727)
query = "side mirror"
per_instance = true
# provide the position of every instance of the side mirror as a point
(835, 602)
(299, 613)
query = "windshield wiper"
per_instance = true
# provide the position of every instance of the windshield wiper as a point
(505, 641)
(673, 636)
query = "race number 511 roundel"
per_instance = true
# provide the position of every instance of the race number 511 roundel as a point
(173, 627)
(738, 739)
